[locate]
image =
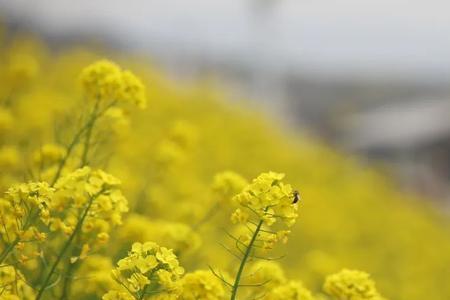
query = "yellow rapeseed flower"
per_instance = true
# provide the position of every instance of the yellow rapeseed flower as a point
(351, 284)
(105, 81)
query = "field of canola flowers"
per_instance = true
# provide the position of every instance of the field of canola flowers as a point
(120, 184)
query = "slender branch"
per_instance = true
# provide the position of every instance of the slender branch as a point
(255, 284)
(87, 139)
(243, 262)
(220, 277)
(231, 252)
(143, 292)
(70, 148)
(8, 249)
(66, 246)
(76, 139)
(29, 220)
(70, 269)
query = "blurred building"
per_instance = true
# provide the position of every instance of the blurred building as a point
(414, 137)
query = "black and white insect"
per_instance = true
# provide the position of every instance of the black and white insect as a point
(296, 196)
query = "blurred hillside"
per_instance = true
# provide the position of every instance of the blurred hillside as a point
(315, 65)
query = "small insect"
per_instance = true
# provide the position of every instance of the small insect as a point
(296, 196)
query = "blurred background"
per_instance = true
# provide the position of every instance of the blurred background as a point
(369, 77)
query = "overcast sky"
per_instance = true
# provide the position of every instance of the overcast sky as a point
(331, 35)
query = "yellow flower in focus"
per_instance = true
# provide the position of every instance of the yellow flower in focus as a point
(270, 199)
(138, 282)
(144, 264)
(26, 201)
(239, 216)
(148, 266)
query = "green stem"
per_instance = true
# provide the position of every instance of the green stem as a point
(70, 148)
(8, 249)
(244, 260)
(29, 220)
(87, 140)
(143, 292)
(88, 126)
(70, 270)
(66, 246)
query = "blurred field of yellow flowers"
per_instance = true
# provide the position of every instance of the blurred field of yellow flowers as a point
(182, 217)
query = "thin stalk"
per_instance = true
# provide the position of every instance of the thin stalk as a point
(70, 148)
(87, 140)
(8, 249)
(143, 292)
(244, 261)
(66, 246)
(30, 219)
(70, 270)
(93, 118)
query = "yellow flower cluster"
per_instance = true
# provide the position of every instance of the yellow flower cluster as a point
(21, 206)
(106, 81)
(269, 199)
(201, 285)
(13, 285)
(262, 203)
(351, 284)
(148, 269)
(96, 189)
(292, 290)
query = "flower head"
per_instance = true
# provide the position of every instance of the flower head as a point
(84, 185)
(292, 290)
(269, 199)
(351, 285)
(148, 264)
(201, 285)
(106, 81)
